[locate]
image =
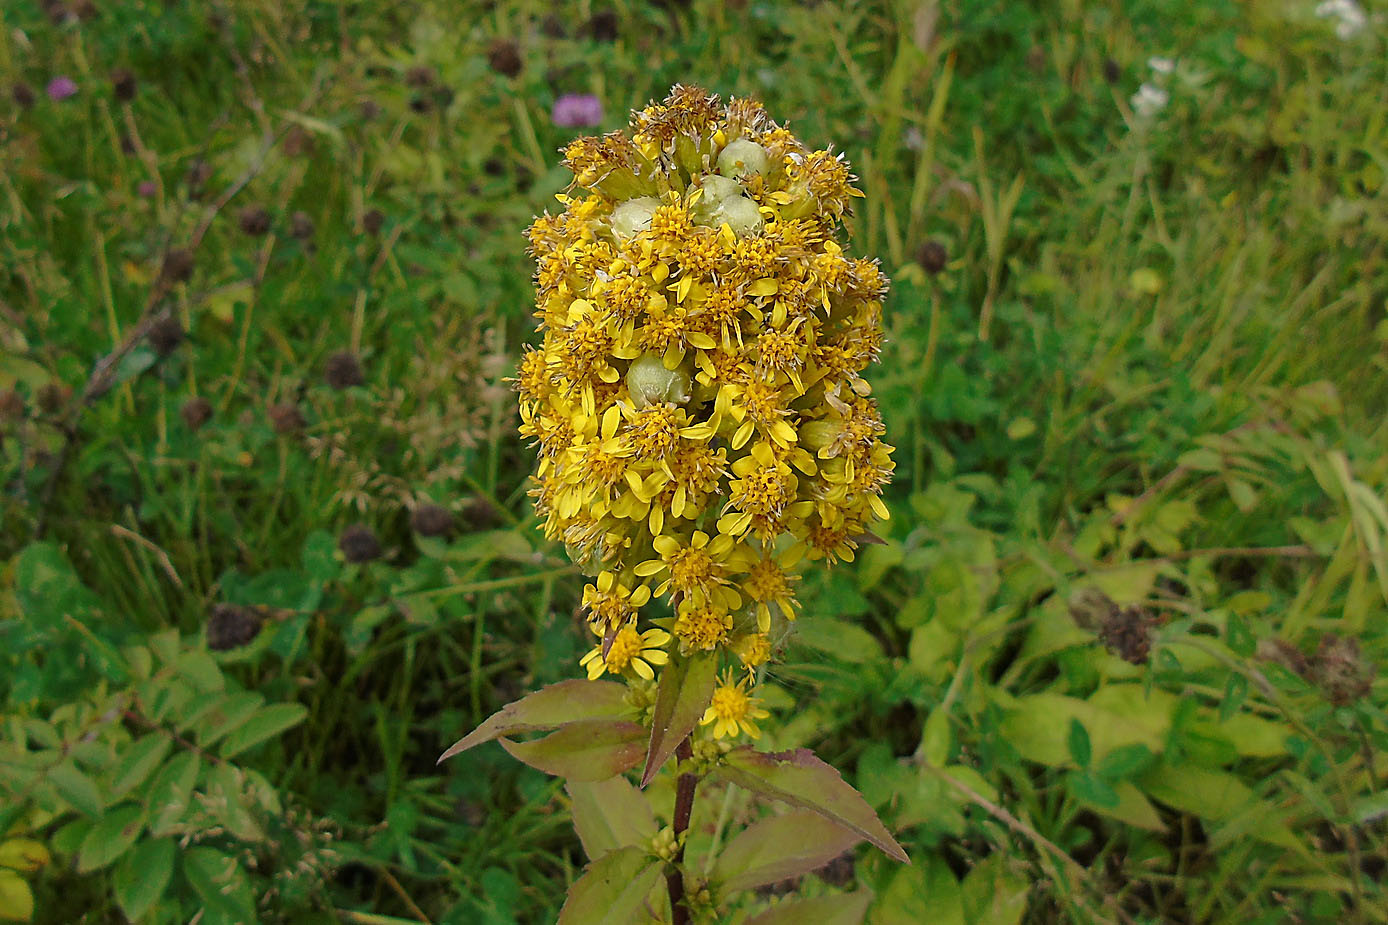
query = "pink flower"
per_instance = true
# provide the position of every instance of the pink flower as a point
(147, 188)
(60, 88)
(576, 110)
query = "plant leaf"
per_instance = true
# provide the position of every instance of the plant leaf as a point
(613, 889)
(225, 715)
(780, 847)
(16, 899)
(24, 854)
(994, 894)
(265, 724)
(840, 909)
(609, 814)
(138, 762)
(76, 788)
(110, 837)
(799, 778)
(142, 876)
(686, 687)
(586, 751)
(566, 702)
(171, 791)
(220, 883)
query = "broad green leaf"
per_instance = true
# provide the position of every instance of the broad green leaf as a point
(69, 837)
(919, 893)
(47, 587)
(1092, 789)
(265, 724)
(610, 814)
(228, 801)
(686, 687)
(1132, 808)
(1078, 742)
(138, 762)
(552, 706)
(16, 899)
(840, 909)
(1218, 796)
(224, 715)
(799, 778)
(993, 893)
(199, 668)
(220, 883)
(169, 794)
(23, 854)
(110, 837)
(779, 847)
(142, 876)
(841, 639)
(1249, 735)
(1125, 761)
(1113, 716)
(586, 751)
(613, 890)
(935, 740)
(76, 788)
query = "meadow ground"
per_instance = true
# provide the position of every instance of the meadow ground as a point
(266, 540)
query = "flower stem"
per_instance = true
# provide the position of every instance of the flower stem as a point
(684, 808)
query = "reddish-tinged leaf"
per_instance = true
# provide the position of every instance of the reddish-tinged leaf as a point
(686, 687)
(552, 706)
(799, 778)
(780, 847)
(592, 750)
(610, 814)
(842, 909)
(614, 890)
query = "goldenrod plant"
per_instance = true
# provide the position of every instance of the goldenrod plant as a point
(703, 429)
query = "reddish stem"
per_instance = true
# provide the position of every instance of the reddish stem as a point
(684, 808)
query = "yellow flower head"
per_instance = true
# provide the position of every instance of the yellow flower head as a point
(733, 710)
(629, 651)
(697, 398)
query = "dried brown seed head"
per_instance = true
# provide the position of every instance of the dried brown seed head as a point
(359, 544)
(196, 412)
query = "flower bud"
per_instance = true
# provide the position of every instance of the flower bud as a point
(742, 158)
(717, 189)
(739, 213)
(633, 216)
(650, 383)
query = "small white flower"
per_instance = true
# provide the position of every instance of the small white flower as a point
(1161, 65)
(1149, 100)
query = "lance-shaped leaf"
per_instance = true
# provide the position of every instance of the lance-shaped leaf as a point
(610, 814)
(799, 778)
(613, 890)
(590, 750)
(780, 847)
(842, 909)
(686, 687)
(552, 706)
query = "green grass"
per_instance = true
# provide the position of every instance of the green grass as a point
(1154, 364)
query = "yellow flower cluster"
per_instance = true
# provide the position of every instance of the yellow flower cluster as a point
(697, 401)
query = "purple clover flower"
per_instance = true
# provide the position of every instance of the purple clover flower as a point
(577, 110)
(60, 88)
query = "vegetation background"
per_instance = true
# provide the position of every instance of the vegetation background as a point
(267, 549)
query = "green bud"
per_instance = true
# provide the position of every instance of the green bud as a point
(717, 188)
(741, 214)
(633, 216)
(650, 383)
(742, 158)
